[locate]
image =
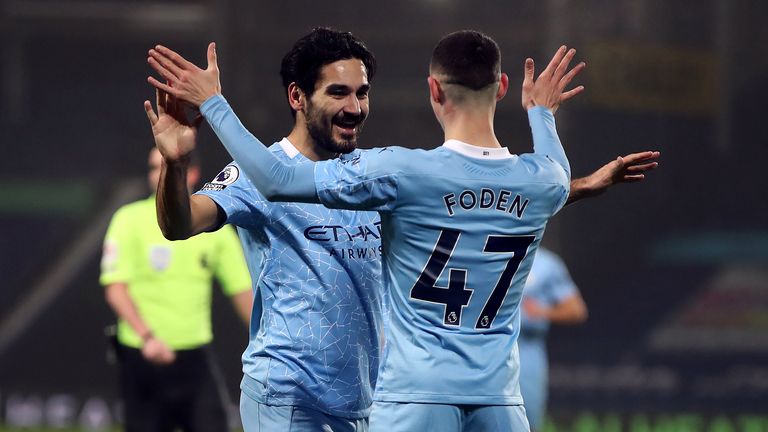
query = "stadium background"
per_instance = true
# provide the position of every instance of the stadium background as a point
(673, 270)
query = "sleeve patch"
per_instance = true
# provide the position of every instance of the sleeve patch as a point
(109, 257)
(226, 177)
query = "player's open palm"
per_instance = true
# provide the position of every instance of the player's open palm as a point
(624, 169)
(185, 81)
(549, 89)
(174, 132)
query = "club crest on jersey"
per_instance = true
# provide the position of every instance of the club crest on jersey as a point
(160, 257)
(226, 177)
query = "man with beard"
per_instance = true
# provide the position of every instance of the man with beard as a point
(313, 353)
(313, 359)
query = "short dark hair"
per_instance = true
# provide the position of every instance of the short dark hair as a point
(468, 58)
(320, 47)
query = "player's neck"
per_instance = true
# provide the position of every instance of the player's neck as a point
(471, 127)
(304, 143)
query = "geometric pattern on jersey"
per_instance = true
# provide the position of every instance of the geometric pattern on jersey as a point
(314, 336)
(460, 227)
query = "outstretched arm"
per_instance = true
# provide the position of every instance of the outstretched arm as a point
(625, 169)
(201, 88)
(542, 97)
(548, 91)
(275, 180)
(179, 215)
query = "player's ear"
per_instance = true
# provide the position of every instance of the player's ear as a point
(296, 97)
(436, 94)
(503, 87)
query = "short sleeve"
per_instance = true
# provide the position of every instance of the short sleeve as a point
(241, 202)
(118, 260)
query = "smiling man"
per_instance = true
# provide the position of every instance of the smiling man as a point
(312, 361)
(450, 361)
(312, 357)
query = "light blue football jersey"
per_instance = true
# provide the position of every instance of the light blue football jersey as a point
(314, 335)
(460, 225)
(549, 283)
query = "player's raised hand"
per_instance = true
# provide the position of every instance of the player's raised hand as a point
(185, 81)
(549, 89)
(175, 134)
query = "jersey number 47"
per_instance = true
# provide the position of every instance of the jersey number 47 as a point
(456, 296)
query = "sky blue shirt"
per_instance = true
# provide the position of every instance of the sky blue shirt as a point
(549, 284)
(314, 335)
(460, 226)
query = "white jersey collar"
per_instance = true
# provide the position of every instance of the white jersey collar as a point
(289, 148)
(477, 152)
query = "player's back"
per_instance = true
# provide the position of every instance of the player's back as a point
(459, 242)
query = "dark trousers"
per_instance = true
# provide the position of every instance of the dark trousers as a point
(181, 395)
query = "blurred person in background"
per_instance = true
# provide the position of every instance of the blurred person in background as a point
(161, 293)
(550, 297)
(316, 296)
